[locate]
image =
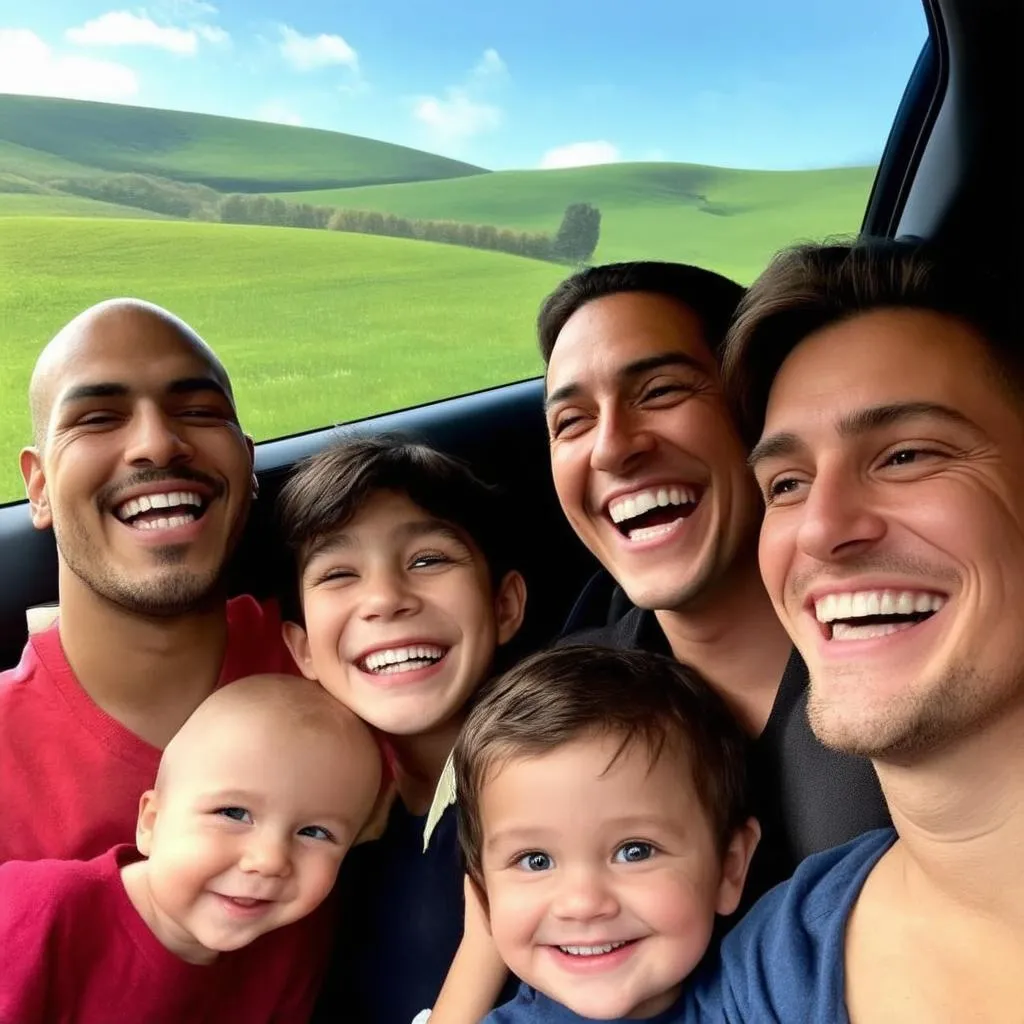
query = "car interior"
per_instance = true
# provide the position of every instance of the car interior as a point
(946, 173)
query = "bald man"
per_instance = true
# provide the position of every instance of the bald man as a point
(144, 474)
(258, 798)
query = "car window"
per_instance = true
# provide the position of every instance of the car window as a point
(361, 205)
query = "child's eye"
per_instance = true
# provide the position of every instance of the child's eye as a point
(317, 832)
(535, 860)
(429, 559)
(633, 853)
(235, 814)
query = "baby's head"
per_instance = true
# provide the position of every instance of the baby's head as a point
(258, 798)
(602, 812)
(405, 595)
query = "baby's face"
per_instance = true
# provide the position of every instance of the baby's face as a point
(602, 882)
(247, 836)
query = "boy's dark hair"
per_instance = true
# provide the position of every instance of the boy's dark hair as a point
(809, 287)
(561, 695)
(711, 296)
(326, 491)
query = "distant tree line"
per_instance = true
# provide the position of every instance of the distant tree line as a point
(574, 242)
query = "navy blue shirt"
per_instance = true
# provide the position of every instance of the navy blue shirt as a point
(401, 914)
(531, 1007)
(785, 960)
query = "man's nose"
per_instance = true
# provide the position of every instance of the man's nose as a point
(619, 439)
(154, 439)
(840, 517)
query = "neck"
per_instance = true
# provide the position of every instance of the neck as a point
(148, 673)
(419, 761)
(960, 818)
(734, 639)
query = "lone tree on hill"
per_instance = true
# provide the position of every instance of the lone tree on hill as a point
(578, 233)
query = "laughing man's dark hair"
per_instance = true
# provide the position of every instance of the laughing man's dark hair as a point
(711, 296)
(809, 287)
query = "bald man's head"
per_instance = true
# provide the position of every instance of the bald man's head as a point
(128, 320)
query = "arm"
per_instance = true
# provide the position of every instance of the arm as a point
(477, 973)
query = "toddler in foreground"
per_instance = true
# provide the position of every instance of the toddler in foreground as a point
(257, 799)
(602, 811)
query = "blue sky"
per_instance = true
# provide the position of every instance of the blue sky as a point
(742, 83)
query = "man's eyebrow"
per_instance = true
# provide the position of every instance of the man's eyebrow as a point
(862, 421)
(113, 389)
(190, 385)
(82, 392)
(634, 369)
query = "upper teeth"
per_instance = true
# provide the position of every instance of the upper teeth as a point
(591, 950)
(643, 501)
(875, 602)
(145, 502)
(396, 655)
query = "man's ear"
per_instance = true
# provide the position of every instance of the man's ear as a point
(146, 822)
(510, 605)
(735, 865)
(297, 642)
(31, 462)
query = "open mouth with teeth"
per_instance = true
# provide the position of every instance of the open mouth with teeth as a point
(162, 511)
(867, 614)
(647, 514)
(397, 660)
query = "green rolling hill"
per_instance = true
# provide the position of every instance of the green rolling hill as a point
(732, 220)
(64, 137)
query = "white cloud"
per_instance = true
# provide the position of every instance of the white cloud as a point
(457, 116)
(278, 112)
(581, 154)
(461, 112)
(490, 65)
(29, 66)
(122, 28)
(307, 53)
(212, 34)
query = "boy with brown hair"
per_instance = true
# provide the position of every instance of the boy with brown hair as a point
(406, 595)
(603, 815)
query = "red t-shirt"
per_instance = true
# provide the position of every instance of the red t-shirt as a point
(70, 774)
(73, 950)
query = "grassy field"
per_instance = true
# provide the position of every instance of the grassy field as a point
(226, 153)
(732, 220)
(320, 326)
(315, 326)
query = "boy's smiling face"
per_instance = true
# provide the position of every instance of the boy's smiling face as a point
(402, 618)
(602, 874)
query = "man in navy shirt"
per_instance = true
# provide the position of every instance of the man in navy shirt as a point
(886, 386)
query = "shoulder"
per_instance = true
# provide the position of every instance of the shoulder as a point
(786, 956)
(40, 650)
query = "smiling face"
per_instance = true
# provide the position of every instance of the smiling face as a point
(647, 463)
(142, 471)
(892, 463)
(602, 894)
(247, 832)
(402, 619)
